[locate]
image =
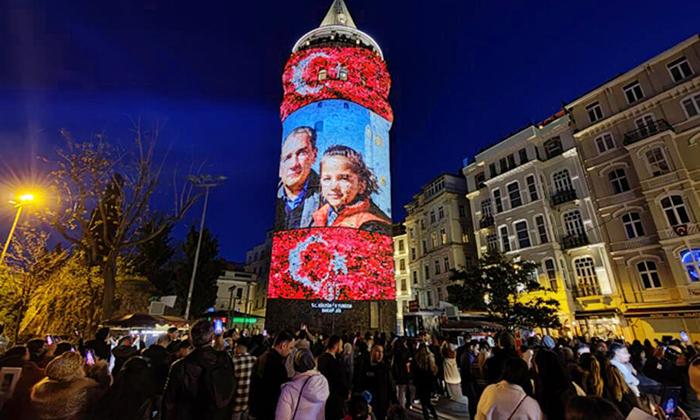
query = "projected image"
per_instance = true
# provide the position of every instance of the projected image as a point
(332, 264)
(356, 74)
(334, 169)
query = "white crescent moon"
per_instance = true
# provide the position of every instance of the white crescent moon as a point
(338, 265)
(298, 75)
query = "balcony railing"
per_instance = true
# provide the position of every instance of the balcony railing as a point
(651, 128)
(584, 290)
(574, 241)
(486, 221)
(563, 196)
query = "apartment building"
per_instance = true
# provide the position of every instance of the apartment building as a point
(401, 273)
(530, 200)
(236, 289)
(258, 262)
(439, 238)
(638, 136)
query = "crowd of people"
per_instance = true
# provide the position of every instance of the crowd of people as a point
(245, 374)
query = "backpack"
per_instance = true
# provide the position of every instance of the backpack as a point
(218, 381)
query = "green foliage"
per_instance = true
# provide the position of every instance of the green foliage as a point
(153, 259)
(208, 270)
(503, 289)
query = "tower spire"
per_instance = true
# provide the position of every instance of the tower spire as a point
(338, 14)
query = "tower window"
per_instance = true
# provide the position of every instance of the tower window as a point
(322, 75)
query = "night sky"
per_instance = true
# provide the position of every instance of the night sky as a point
(465, 74)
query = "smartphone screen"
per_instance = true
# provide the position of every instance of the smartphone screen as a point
(669, 401)
(49, 340)
(218, 327)
(89, 357)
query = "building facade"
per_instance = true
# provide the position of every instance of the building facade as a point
(638, 136)
(258, 263)
(236, 289)
(529, 200)
(439, 238)
(404, 289)
(332, 263)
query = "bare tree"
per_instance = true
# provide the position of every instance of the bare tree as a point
(102, 197)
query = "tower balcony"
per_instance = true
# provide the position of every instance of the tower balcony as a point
(562, 196)
(585, 290)
(648, 130)
(574, 240)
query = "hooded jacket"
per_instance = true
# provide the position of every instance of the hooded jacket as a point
(363, 215)
(306, 394)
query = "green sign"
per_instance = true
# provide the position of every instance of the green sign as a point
(241, 320)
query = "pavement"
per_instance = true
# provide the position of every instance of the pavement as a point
(446, 408)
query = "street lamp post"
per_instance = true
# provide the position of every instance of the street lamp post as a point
(19, 204)
(207, 182)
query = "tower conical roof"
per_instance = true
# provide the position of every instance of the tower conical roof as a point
(338, 14)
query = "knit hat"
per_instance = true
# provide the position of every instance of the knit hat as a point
(65, 367)
(548, 342)
(304, 360)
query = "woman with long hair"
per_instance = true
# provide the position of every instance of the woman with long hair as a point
(553, 386)
(616, 389)
(592, 382)
(511, 398)
(424, 372)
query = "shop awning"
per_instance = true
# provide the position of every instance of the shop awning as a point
(663, 311)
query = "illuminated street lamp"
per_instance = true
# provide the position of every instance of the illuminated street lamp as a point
(21, 201)
(207, 182)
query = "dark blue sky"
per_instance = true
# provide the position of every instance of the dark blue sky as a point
(465, 73)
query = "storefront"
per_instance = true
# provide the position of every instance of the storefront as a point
(658, 322)
(604, 323)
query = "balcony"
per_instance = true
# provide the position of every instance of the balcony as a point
(563, 196)
(574, 241)
(645, 131)
(485, 222)
(585, 290)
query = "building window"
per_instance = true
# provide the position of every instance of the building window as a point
(679, 69)
(503, 163)
(322, 75)
(410, 233)
(514, 195)
(522, 234)
(674, 208)
(432, 216)
(429, 298)
(415, 277)
(551, 270)
(633, 92)
(505, 242)
(511, 161)
(657, 162)
(573, 224)
(645, 124)
(443, 236)
(441, 213)
(595, 112)
(403, 285)
(433, 239)
(413, 253)
(425, 247)
(604, 143)
(461, 211)
(486, 207)
(633, 225)
(343, 73)
(492, 170)
(690, 258)
(691, 105)
(437, 267)
(553, 147)
(401, 245)
(427, 272)
(523, 156)
(497, 200)
(562, 181)
(532, 187)
(648, 274)
(402, 265)
(586, 278)
(541, 229)
(446, 261)
(618, 180)
(422, 223)
(492, 242)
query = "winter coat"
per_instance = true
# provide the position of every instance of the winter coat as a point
(338, 383)
(187, 395)
(499, 402)
(377, 380)
(399, 365)
(363, 215)
(19, 406)
(266, 382)
(306, 394)
(121, 355)
(64, 400)
(160, 360)
(451, 371)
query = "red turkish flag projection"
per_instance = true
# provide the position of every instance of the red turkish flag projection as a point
(331, 264)
(354, 74)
